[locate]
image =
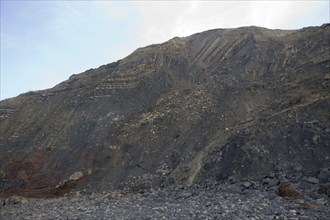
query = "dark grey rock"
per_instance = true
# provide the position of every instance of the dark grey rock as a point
(270, 182)
(312, 180)
(320, 201)
(217, 202)
(246, 184)
(186, 194)
(324, 175)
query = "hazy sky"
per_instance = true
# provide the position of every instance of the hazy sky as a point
(44, 42)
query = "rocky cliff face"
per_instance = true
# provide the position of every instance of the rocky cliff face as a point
(225, 105)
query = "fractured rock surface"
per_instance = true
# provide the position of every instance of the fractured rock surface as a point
(224, 105)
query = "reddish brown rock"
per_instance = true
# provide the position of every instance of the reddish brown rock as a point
(325, 190)
(287, 191)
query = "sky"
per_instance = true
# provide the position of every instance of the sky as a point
(44, 42)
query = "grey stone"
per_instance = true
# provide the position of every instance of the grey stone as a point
(246, 184)
(324, 175)
(292, 211)
(312, 180)
(186, 194)
(270, 182)
(15, 200)
(320, 201)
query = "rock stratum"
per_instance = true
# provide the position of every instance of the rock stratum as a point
(223, 105)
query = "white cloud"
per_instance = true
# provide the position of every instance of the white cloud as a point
(160, 19)
(283, 14)
(166, 19)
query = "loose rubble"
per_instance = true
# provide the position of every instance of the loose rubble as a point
(245, 200)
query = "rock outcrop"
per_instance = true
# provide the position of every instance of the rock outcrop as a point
(224, 105)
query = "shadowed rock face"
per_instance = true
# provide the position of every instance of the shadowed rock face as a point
(225, 104)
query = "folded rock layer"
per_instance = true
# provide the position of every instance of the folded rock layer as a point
(225, 105)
